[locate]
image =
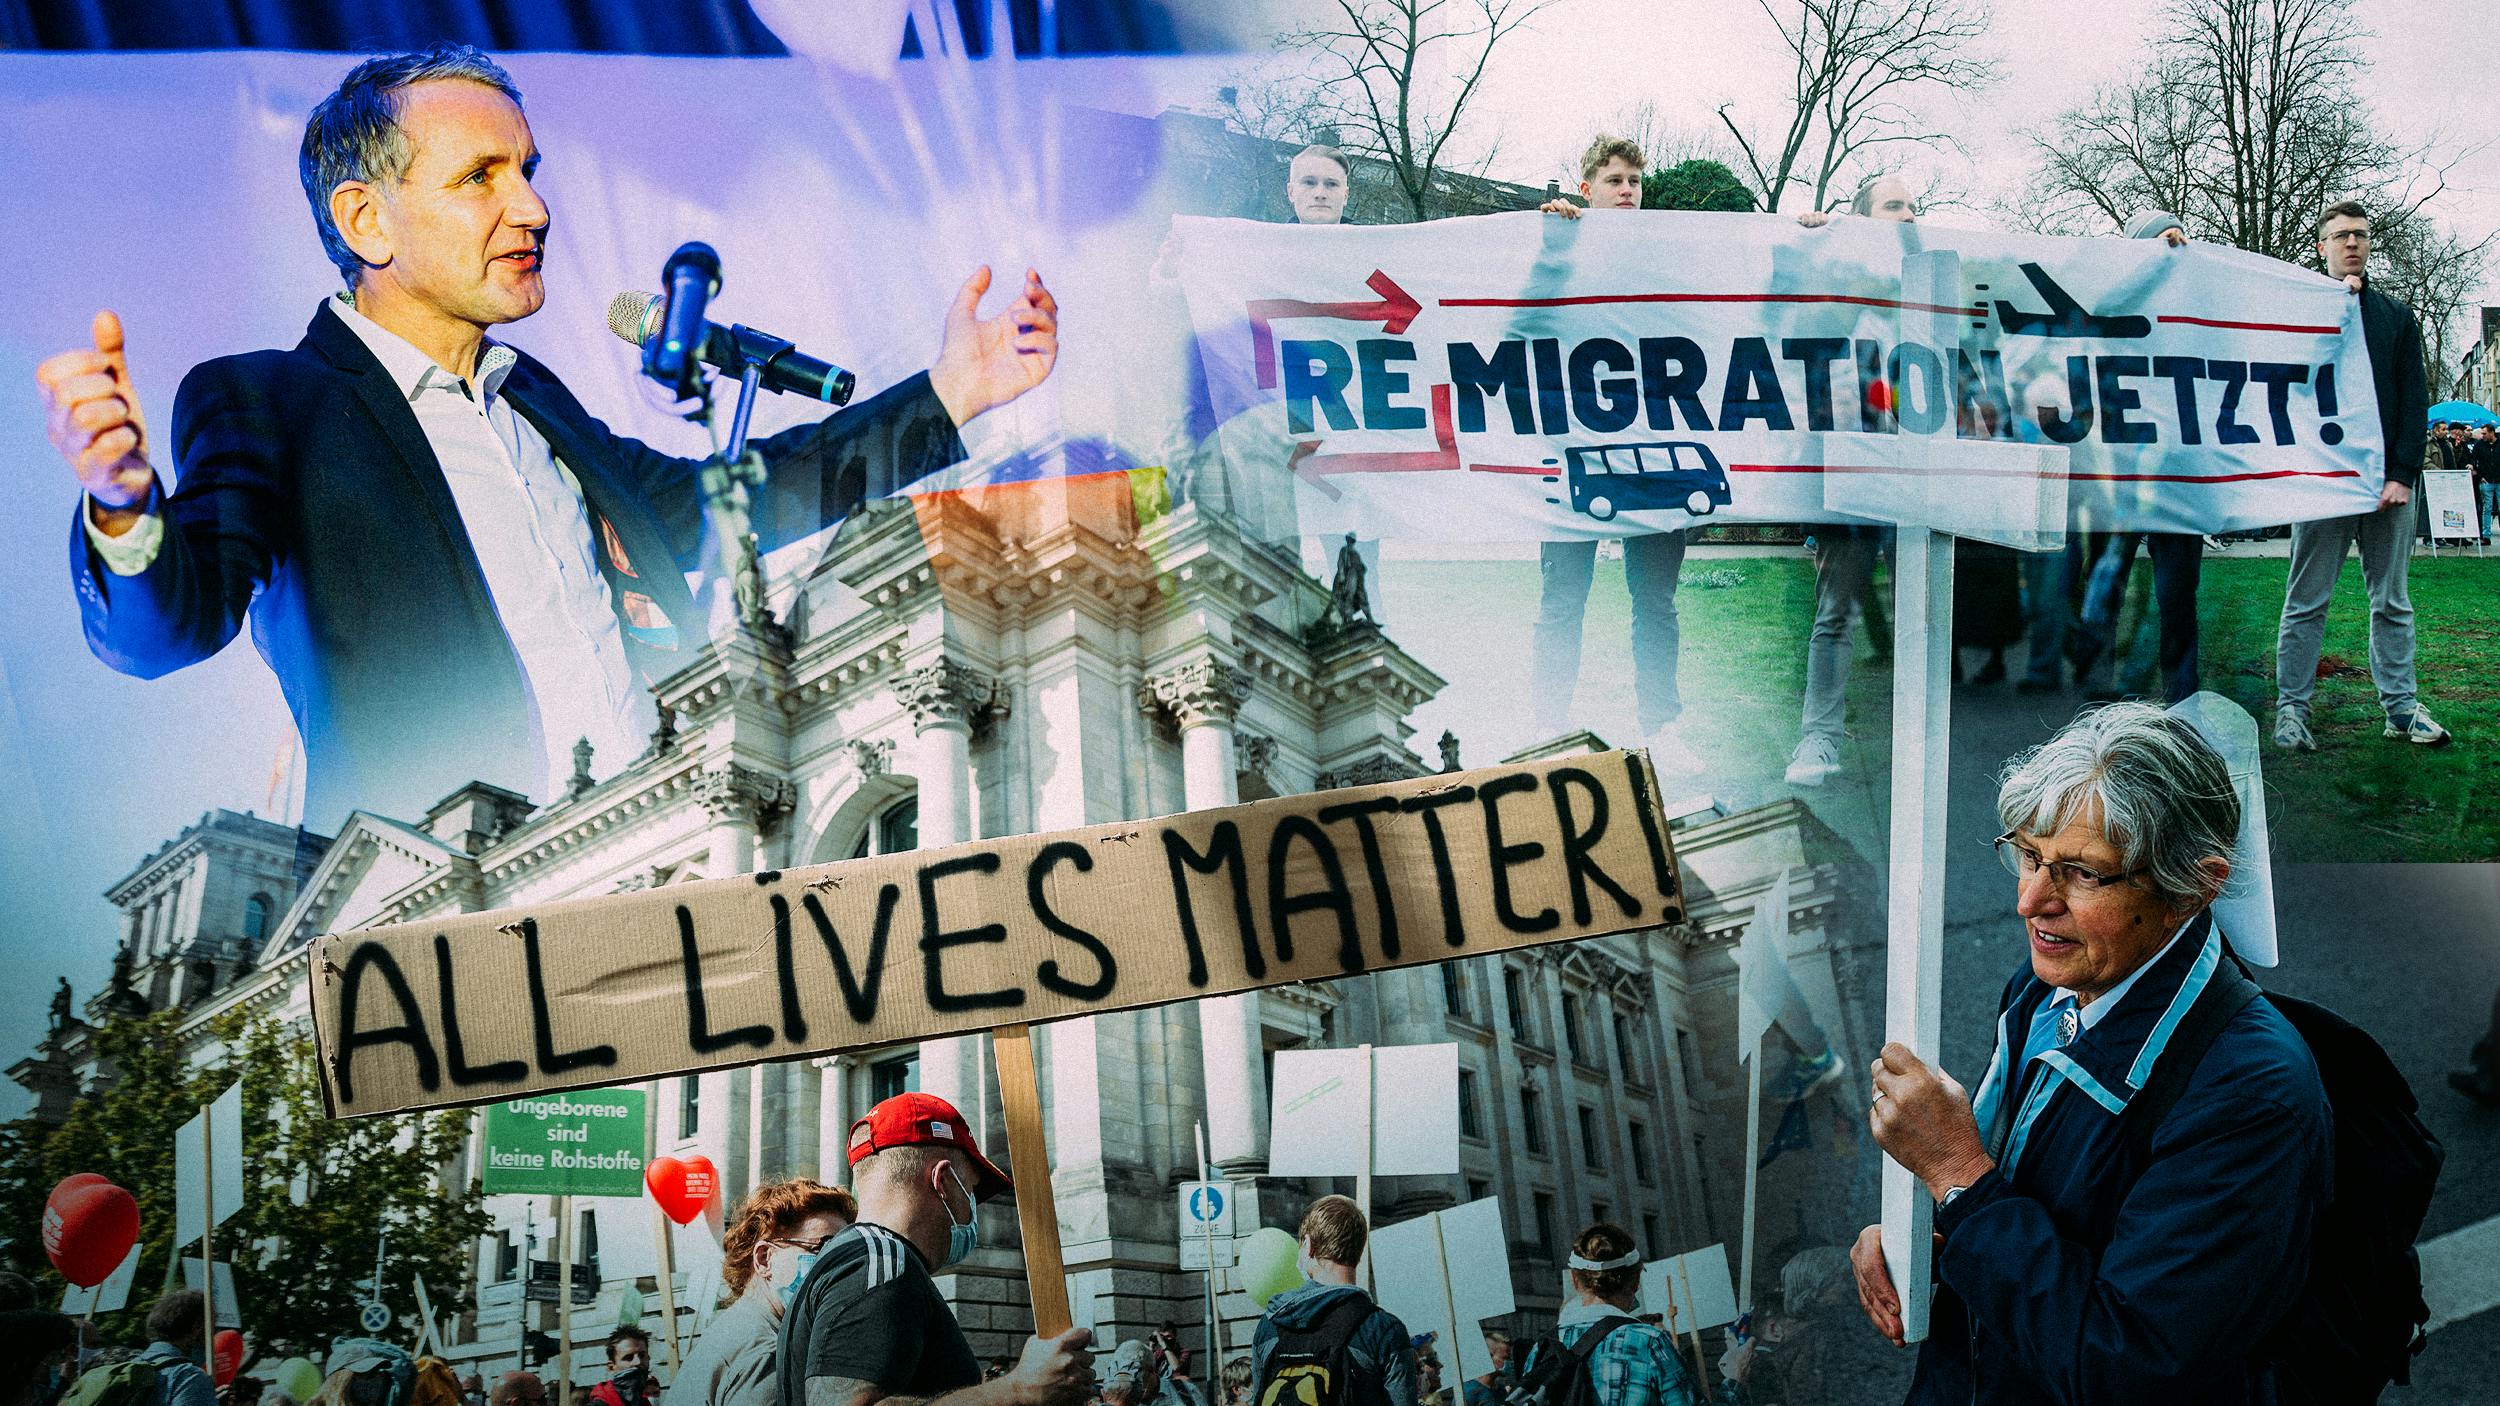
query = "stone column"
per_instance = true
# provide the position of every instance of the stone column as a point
(1201, 700)
(947, 702)
(741, 802)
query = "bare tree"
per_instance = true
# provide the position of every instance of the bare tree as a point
(1667, 142)
(1396, 79)
(1273, 107)
(1855, 65)
(2246, 124)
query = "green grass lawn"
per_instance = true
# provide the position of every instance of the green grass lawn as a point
(2361, 797)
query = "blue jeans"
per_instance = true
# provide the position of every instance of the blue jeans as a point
(2486, 504)
(2048, 589)
(1652, 562)
(2178, 560)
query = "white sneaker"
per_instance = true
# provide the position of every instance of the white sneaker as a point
(2291, 731)
(1816, 761)
(1669, 754)
(2421, 729)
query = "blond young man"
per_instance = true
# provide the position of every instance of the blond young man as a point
(1610, 179)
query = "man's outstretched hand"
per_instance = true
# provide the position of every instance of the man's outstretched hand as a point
(92, 415)
(982, 363)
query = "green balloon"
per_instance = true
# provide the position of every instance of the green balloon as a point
(629, 1309)
(1270, 1264)
(299, 1379)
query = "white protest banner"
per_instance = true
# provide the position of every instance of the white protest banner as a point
(197, 1181)
(1691, 1289)
(1521, 376)
(1320, 1109)
(471, 1008)
(1446, 1273)
(111, 1296)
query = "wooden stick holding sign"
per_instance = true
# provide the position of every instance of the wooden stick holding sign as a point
(662, 1227)
(1037, 1214)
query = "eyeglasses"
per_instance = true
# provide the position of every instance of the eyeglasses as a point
(804, 1247)
(2066, 876)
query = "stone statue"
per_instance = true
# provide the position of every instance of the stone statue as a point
(581, 781)
(1449, 750)
(61, 1016)
(1347, 595)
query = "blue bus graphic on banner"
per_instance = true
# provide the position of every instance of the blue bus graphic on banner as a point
(1615, 478)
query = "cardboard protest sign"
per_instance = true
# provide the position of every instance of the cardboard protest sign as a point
(1518, 377)
(484, 1007)
(111, 1296)
(229, 1307)
(581, 1145)
(1320, 1111)
(214, 1173)
(1692, 1289)
(1446, 1272)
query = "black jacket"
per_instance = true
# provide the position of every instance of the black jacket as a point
(308, 496)
(2394, 336)
(2483, 456)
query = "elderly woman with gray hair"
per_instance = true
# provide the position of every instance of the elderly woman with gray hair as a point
(2074, 1263)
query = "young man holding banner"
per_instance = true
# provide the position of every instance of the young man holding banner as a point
(1653, 562)
(1844, 562)
(2385, 536)
(868, 1324)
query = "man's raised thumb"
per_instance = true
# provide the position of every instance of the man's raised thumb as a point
(968, 297)
(108, 333)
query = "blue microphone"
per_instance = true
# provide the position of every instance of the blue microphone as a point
(691, 278)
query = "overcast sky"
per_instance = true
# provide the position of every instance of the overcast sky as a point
(1583, 63)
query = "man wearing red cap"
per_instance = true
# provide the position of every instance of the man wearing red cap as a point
(867, 1324)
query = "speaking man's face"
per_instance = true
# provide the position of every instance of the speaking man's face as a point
(1615, 186)
(1315, 186)
(464, 232)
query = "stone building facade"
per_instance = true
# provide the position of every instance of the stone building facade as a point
(1008, 660)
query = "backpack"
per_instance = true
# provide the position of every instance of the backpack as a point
(1559, 1375)
(2359, 1320)
(1311, 1366)
(126, 1383)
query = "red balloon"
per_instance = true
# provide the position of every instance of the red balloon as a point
(682, 1187)
(89, 1225)
(226, 1355)
(1879, 396)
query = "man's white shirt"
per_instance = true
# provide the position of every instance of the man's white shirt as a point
(524, 515)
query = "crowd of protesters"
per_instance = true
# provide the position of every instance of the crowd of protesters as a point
(833, 1304)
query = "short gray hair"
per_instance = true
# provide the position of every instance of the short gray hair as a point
(2165, 795)
(354, 134)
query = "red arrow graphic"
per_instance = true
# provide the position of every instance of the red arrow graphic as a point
(1312, 467)
(1393, 312)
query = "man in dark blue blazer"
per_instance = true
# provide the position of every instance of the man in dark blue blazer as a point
(450, 565)
(2074, 1263)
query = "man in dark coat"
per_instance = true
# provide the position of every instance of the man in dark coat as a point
(2069, 1267)
(2383, 535)
(454, 571)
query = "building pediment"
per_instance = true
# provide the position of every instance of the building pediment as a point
(371, 862)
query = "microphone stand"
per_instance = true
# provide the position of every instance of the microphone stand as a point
(727, 482)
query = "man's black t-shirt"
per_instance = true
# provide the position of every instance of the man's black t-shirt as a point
(869, 1311)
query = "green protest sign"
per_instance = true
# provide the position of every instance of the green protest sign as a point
(585, 1143)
